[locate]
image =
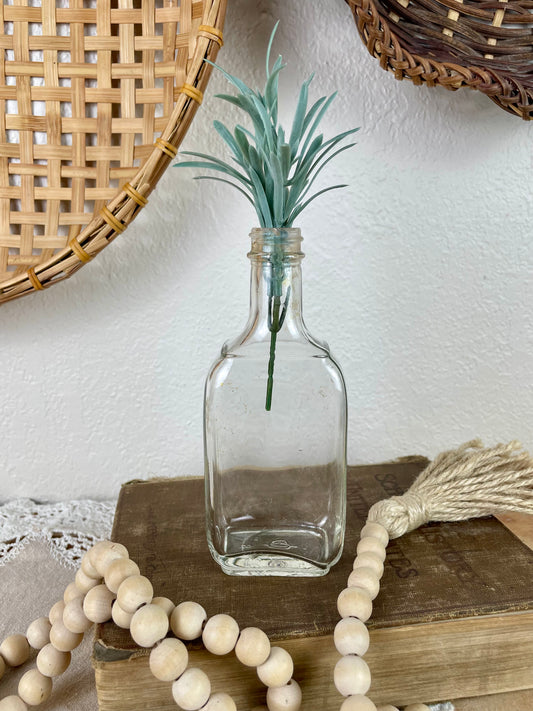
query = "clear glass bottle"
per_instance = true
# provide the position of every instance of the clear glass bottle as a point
(275, 430)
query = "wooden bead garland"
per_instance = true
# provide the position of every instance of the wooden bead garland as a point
(369, 560)
(15, 650)
(278, 668)
(34, 687)
(91, 600)
(118, 570)
(56, 612)
(74, 618)
(371, 545)
(52, 662)
(365, 578)
(285, 698)
(192, 690)
(104, 553)
(354, 602)
(149, 625)
(351, 636)
(187, 620)
(220, 702)
(71, 593)
(134, 592)
(253, 647)
(83, 582)
(121, 618)
(63, 639)
(220, 634)
(169, 659)
(88, 568)
(165, 604)
(351, 675)
(97, 604)
(38, 633)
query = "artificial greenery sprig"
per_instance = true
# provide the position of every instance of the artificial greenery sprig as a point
(275, 171)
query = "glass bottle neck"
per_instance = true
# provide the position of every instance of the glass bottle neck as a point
(276, 282)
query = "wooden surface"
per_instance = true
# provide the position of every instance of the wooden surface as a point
(515, 701)
(520, 524)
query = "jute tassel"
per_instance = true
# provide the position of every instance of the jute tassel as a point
(460, 484)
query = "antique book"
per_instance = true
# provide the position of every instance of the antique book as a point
(454, 617)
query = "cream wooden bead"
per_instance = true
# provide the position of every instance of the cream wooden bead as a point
(118, 570)
(187, 620)
(95, 551)
(2, 667)
(351, 637)
(354, 602)
(373, 529)
(220, 634)
(358, 702)
(416, 707)
(220, 702)
(12, 703)
(165, 604)
(369, 560)
(371, 545)
(63, 639)
(15, 650)
(149, 625)
(74, 618)
(38, 633)
(88, 568)
(365, 578)
(134, 592)
(192, 690)
(51, 662)
(83, 582)
(120, 617)
(72, 591)
(285, 698)
(105, 556)
(278, 668)
(104, 552)
(97, 604)
(34, 687)
(253, 647)
(351, 675)
(169, 659)
(56, 612)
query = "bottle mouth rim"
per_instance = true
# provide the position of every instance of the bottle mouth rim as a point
(275, 233)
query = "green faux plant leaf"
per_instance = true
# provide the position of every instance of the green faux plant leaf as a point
(276, 172)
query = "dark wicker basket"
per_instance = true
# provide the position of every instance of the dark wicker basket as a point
(482, 44)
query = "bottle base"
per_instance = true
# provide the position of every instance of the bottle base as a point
(290, 553)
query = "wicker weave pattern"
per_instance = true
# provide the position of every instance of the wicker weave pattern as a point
(86, 87)
(482, 44)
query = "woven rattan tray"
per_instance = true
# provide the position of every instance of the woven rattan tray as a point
(95, 97)
(481, 44)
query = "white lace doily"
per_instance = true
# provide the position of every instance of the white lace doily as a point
(70, 528)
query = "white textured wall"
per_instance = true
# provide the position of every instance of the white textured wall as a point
(418, 274)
